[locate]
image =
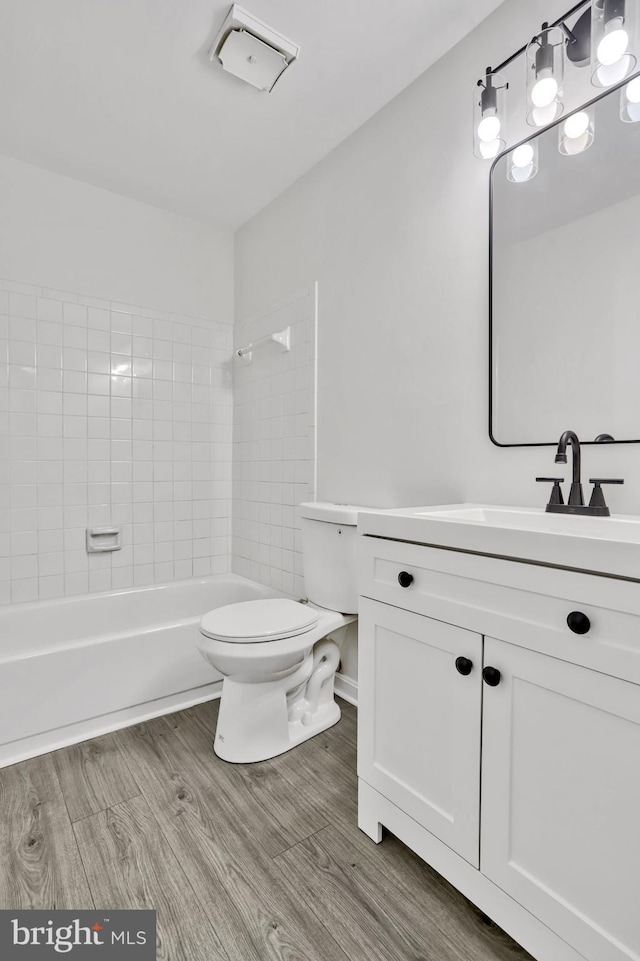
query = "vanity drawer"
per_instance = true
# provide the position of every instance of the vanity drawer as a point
(523, 604)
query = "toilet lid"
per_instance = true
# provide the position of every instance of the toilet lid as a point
(264, 620)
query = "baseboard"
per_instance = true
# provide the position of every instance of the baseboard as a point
(36, 744)
(346, 688)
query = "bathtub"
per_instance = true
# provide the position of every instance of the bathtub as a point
(78, 667)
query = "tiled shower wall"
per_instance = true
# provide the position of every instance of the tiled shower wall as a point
(274, 444)
(110, 414)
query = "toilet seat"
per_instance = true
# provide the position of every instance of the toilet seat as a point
(251, 622)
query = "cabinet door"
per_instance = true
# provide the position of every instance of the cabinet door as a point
(561, 798)
(419, 720)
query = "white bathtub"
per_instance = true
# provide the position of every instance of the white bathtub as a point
(78, 667)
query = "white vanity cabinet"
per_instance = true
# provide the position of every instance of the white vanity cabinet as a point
(524, 794)
(561, 798)
(422, 750)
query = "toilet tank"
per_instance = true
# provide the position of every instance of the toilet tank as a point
(329, 541)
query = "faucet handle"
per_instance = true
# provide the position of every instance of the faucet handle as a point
(597, 496)
(556, 492)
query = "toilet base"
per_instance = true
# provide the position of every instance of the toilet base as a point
(258, 721)
(237, 751)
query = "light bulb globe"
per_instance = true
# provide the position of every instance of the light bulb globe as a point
(576, 125)
(522, 155)
(521, 174)
(544, 92)
(632, 90)
(488, 129)
(612, 47)
(575, 145)
(490, 148)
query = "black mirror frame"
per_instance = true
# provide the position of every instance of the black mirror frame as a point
(552, 443)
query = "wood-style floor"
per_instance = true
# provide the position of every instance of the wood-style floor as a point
(261, 862)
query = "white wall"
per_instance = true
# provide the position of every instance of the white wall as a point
(394, 226)
(61, 233)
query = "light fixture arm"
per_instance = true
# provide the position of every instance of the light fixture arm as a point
(560, 22)
(486, 81)
(579, 39)
(569, 34)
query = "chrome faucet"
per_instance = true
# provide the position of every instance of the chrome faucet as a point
(575, 505)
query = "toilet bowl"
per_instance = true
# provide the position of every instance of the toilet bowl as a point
(277, 661)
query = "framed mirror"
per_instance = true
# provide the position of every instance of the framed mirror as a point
(565, 278)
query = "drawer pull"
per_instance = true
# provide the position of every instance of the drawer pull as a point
(491, 676)
(464, 665)
(578, 622)
(405, 579)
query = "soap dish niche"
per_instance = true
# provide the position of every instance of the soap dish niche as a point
(102, 539)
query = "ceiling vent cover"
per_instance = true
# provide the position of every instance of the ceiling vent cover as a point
(249, 49)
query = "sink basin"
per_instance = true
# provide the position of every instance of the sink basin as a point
(622, 527)
(601, 545)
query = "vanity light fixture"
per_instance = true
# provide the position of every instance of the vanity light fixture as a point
(544, 58)
(612, 36)
(489, 135)
(604, 36)
(630, 101)
(523, 162)
(576, 133)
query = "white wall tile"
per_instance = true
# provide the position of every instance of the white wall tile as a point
(109, 413)
(273, 450)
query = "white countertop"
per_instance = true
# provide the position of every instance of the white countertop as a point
(601, 545)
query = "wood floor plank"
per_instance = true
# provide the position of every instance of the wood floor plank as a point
(365, 926)
(347, 726)
(94, 776)
(420, 896)
(255, 910)
(275, 814)
(402, 865)
(40, 866)
(323, 772)
(130, 865)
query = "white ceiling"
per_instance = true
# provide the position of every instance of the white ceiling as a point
(120, 93)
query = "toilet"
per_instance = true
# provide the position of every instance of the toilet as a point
(276, 658)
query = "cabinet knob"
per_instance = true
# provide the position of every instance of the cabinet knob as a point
(491, 676)
(464, 665)
(405, 579)
(578, 622)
